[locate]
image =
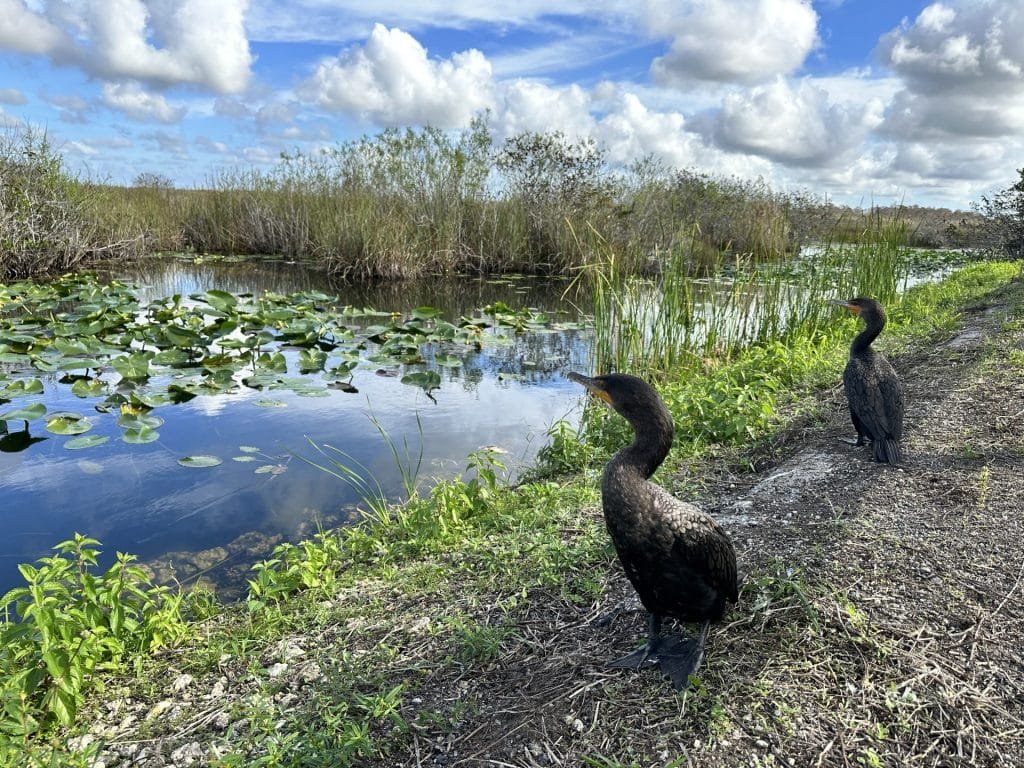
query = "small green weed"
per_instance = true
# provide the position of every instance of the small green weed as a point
(478, 643)
(565, 451)
(310, 565)
(780, 590)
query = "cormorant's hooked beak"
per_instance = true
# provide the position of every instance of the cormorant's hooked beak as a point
(593, 385)
(848, 305)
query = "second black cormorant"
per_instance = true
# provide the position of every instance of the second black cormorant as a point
(873, 390)
(680, 561)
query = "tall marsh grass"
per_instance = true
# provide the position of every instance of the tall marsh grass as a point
(415, 202)
(48, 220)
(694, 311)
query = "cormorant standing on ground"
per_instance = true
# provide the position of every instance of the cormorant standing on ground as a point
(680, 561)
(872, 388)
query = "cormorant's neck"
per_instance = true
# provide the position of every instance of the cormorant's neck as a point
(863, 340)
(650, 446)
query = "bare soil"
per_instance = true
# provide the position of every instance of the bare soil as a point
(881, 622)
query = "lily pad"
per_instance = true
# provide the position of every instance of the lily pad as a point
(311, 360)
(425, 380)
(139, 435)
(448, 361)
(221, 300)
(88, 388)
(20, 387)
(173, 356)
(129, 420)
(27, 413)
(200, 461)
(134, 366)
(77, 363)
(68, 424)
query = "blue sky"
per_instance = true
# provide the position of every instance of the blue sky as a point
(861, 100)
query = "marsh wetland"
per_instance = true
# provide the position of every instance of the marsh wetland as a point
(185, 408)
(394, 493)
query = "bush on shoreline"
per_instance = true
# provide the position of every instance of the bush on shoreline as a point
(49, 221)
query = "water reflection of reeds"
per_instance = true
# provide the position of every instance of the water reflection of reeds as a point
(695, 310)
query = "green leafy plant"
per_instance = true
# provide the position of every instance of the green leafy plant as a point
(478, 643)
(564, 451)
(309, 565)
(72, 622)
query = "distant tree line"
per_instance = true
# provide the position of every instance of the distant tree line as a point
(1003, 213)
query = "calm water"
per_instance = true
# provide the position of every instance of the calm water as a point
(216, 521)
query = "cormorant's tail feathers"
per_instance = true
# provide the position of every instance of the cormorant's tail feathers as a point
(887, 451)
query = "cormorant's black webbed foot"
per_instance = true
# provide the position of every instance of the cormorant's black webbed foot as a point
(636, 659)
(681, 660)
(678, 656)
(681, 657)
(648, 652)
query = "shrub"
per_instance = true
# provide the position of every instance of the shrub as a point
(47, 222)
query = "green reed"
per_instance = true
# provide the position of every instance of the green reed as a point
(700, 307)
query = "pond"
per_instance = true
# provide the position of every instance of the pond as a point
(201, 469)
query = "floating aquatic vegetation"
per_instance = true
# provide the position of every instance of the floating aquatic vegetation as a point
(200, 462)
(119, 355)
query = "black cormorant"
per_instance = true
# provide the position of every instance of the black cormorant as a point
(680, 561)
(872, 388)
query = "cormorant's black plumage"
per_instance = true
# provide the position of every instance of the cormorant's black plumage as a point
(872, 388)
(680, 561)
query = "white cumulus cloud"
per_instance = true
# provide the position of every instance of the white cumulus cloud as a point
(25, 31)
(529, 105)
(736, 41)
(962, 66)
(154, 41)
(139, 104)
(390, 80)
(630, 130)
(797, 125)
